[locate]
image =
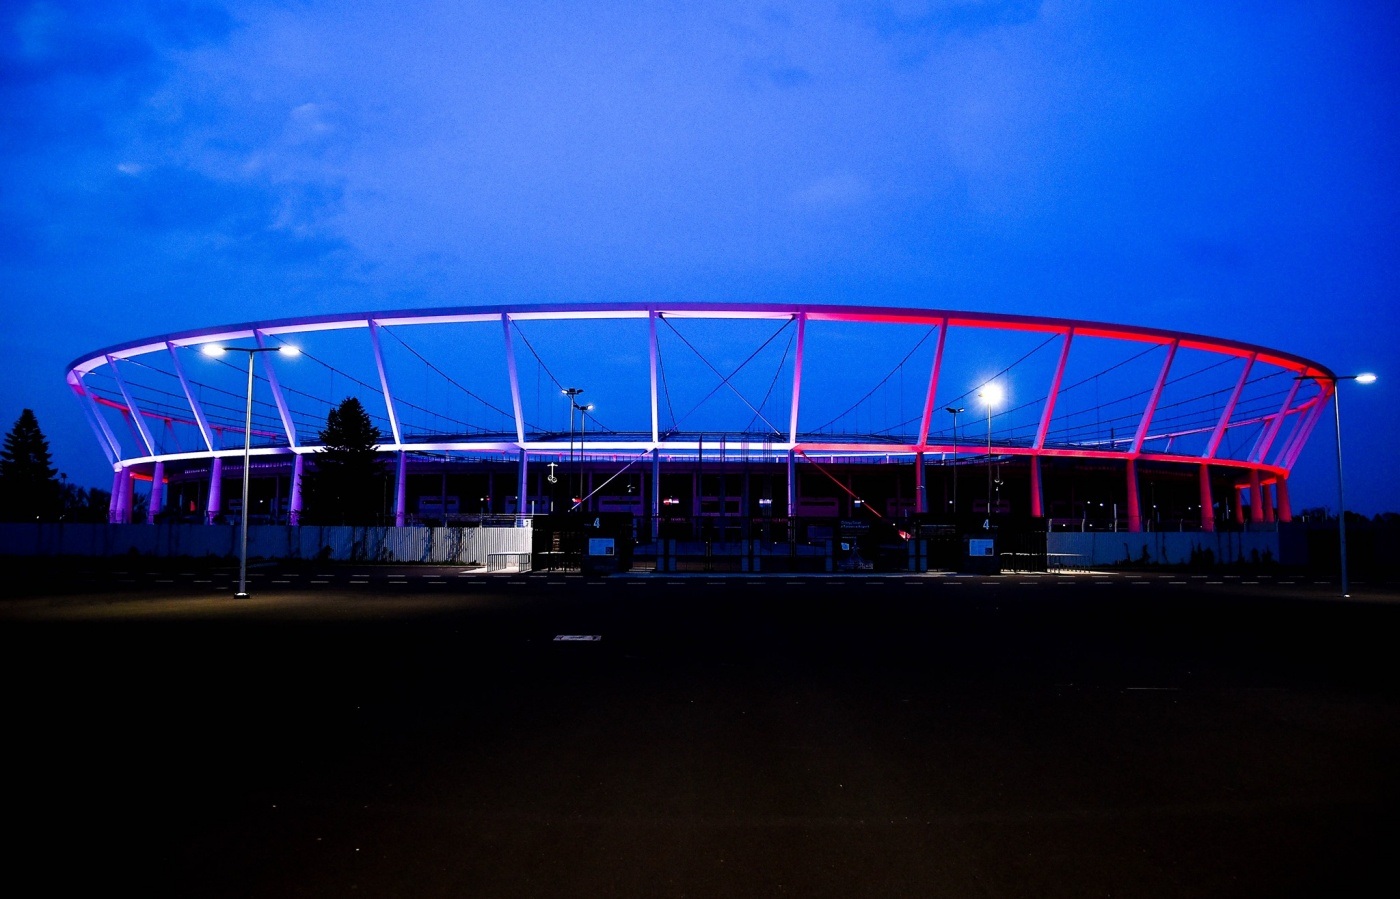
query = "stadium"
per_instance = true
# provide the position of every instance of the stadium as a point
(716, 421)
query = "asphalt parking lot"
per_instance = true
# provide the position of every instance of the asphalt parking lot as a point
(416, 731)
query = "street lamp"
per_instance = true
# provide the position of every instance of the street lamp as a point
(991, 395)
(216, 350)
(582, 413)
(1363, 378)
(571, 392)
(955, 410)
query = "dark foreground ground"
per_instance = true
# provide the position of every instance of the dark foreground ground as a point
(1014, 736)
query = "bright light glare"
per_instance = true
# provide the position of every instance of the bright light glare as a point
(990, 394)
(1366, 378)
(212, 349)
(287, 349)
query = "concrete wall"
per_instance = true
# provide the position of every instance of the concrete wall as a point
(418, 544)
(1165, 548)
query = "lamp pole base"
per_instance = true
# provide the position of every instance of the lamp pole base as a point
(240, 596)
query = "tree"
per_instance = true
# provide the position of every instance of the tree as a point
(347, 481)
(29, 488)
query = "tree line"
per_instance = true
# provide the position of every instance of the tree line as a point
(343, 484)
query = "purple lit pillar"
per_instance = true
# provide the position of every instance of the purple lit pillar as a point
(1134, 506)
(216, 489)
(1266, 494)
(1238, 513)
(1256, 501)
(157, 503)
(1207, 501)
(114, 502)
(124, 504)
(401, 490)
(294, 507)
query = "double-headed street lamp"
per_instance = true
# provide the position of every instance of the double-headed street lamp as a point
(991, 395)
(571, 393)
(1363, 378)
(215, 350)
(956, 410)
(583, 411)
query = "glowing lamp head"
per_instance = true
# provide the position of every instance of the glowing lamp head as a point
(990, 394)
(212, 350)
(287, 349)
(1366, 378)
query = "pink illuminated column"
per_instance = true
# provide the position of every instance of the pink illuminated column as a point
(1134, 506)
(1207, 501)
(1266, 494)
(1238, 513)
(1037, 493)
(157, 503)
(294, 508)
(216, 490)
(1256, 500)
(1285, 508)
(920, 489)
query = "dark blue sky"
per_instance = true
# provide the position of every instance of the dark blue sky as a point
(1228, 168)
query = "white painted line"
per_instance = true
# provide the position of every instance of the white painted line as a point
(319, 582)
(203, 581)
(354, 581)
(577, 638)
(1178, 583)
(437, 582)
(1287, 583)
(281, 582)
(1249, 582)
(1215, 582)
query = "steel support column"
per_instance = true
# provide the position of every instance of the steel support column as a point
(1224, 422)
(216, 490)
(933, 373)
(522, 492)
(655, 494)
(294, 506)
(384, 382)
(114, 501)
(157, 503)
(920, 489)
(1037, 491)
(797, 377)
(1207, 501)
(1134, 503)
(1256, 504)
(273, 385)
(1048, 412)
(1285, 508)
(401, 490)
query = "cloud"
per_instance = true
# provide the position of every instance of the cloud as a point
(833, 191)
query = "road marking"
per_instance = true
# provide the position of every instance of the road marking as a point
(1287, 583)
(281, 582)
(1178, 583)
(1215, 582)
(164, 580)
(319, 582)
(1249, 582)
(635, 584)
(1139, 583)
(577, 638)
(437, 582)
(203, 581)
(358, 581)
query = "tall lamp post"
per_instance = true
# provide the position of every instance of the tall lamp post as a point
(990, 394)
(1363, 378)
(215, 350)
(571, 393)
(956, 411)
(582, 413)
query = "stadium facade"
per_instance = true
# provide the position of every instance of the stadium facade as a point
(724, 419)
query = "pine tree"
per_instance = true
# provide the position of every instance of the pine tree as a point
(29, 488)
(347, 482)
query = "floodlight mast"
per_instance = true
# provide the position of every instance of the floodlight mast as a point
(1335, 380)
(215, 350)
